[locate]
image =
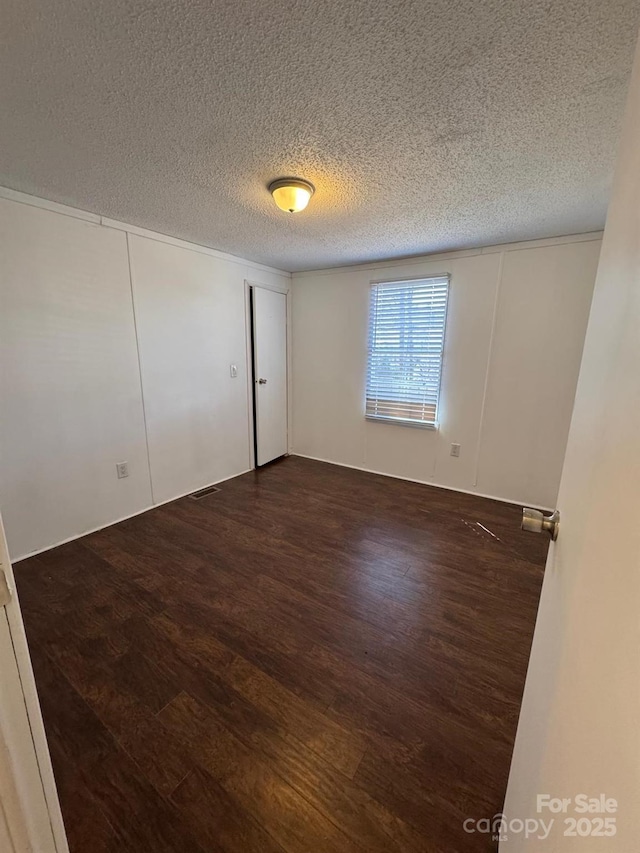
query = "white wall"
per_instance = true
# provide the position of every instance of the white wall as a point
(579, 728)
(190, 311)
(515, 330)
(69, 381)
(71, 387)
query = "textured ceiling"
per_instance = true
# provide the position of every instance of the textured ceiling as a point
(424, 124)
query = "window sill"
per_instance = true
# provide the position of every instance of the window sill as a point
(402, 422)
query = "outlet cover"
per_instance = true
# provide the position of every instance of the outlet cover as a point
(123, 469)
(455, 450)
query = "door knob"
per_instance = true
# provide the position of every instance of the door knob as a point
(535, 521)
(262, 381)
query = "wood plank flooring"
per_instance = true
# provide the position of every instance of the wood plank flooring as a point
(312, 660)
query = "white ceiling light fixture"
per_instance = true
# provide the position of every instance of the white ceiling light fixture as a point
(291, 194)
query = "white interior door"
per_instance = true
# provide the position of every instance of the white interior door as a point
(30, 819)
(576, 764)
(270, 373)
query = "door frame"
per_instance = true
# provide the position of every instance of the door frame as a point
(286, 290)
(31, 815)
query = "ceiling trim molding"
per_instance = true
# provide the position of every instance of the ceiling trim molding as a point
(45, 204)
(386, 263)
(186, 244)
(104, 221)
(417, 260)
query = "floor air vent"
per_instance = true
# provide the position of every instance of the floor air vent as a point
(203, 493)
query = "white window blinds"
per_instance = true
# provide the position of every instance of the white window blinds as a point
(406, 339)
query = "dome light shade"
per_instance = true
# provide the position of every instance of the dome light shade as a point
(291, 194)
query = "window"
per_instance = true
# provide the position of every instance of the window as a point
(406, 339)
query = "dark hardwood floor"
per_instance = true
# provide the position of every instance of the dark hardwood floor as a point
(312, 660)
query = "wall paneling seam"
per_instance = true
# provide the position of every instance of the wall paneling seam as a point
(135, 328)
(494, 320)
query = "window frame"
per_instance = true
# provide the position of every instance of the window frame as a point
(407, 422)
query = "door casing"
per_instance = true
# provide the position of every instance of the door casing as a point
(31, 817)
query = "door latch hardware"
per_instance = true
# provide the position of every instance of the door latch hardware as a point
(535, 521)
(5, 592)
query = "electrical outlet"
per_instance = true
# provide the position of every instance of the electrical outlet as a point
(455, 450)
(233, 370)
(123, 469)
